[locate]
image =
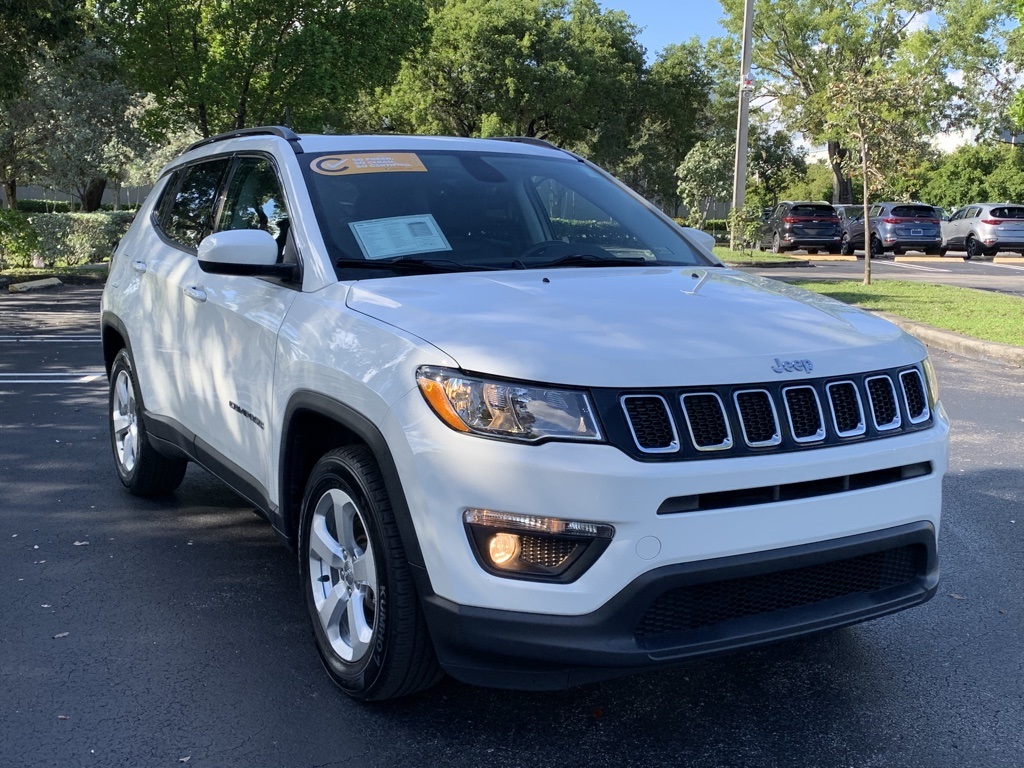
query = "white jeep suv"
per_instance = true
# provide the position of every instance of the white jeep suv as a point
(518, 425)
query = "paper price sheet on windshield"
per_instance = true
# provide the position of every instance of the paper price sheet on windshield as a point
(400, 236)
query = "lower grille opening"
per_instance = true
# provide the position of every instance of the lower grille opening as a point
(745, 497)
(686, 609)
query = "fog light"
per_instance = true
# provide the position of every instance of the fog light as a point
(503, 548)
(535, 548)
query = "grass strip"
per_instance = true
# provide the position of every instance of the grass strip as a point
(983, 315)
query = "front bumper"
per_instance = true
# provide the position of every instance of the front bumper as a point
(691, 610)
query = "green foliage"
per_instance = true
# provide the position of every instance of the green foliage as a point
(976, 173)
(745, 225)
(807, 51)
(19, 241)
(814, 184)
(553, 69)
(24, 25)
(705, 176)
(72, 239)
(773, 164)
(673, 108)
(222, 64)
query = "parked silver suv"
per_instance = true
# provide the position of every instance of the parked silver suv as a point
(896, 227)
(984, 229)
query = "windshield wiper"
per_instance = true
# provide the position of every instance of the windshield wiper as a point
(409, 264)
(593, 260)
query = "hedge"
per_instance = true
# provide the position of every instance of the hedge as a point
(59, 239)
(19, 240)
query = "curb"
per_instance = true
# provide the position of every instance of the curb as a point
(770, 264)
(34, 285)
(957, 343)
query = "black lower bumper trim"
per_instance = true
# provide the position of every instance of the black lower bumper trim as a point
(532, 651)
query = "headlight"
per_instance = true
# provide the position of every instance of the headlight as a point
(509, 410)
(931, 381)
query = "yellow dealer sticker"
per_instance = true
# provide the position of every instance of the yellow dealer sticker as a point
(346, 165)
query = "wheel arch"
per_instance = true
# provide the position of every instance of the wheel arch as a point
(114, 336)
(315, 424)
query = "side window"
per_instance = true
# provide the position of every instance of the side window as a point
(876, 210)
(972, 212)
(190, 216)
(255, 201)
(576, 219)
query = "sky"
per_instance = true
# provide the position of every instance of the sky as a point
(664, 22)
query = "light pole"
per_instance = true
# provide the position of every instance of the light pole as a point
(739, 179)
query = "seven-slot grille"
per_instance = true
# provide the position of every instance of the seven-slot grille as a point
(778, 416)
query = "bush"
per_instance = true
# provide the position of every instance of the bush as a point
(19, 241)
(72, 239)
(44, 206)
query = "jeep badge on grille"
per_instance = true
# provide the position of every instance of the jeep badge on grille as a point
(788, 366)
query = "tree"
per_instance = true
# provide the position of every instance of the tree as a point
(562, 71)
(774, 163)
(672, 116)
(881, 112)
(803, 47)
(223, 64)
(88, 124)
(24, 25)
(23, 118)
(705, 176)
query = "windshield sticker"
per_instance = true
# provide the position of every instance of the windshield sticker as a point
(385, 238)
(348, 165)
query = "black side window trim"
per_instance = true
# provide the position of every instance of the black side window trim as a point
(162, 211)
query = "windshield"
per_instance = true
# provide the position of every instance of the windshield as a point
(914, 211)
(813, 210)
(452, 211)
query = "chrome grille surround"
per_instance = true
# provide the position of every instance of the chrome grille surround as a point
(744, 394)
(882, 395)
(697, 422)
(798, 411)
(642, 444)
(913, 387)
(750, 419)
(833, 390)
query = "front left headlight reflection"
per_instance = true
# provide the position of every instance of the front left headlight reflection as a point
(509, 410)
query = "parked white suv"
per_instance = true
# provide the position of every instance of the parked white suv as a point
(517, 424)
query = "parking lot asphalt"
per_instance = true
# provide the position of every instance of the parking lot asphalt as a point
(161, 633)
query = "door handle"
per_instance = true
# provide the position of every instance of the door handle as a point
(195, 292)
(139, 265)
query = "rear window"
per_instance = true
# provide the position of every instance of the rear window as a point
(914, 211)
(813, 210)
(1008, 212)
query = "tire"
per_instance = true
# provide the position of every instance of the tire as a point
(845, 246)
(897, 251)
(934, 252)
(943, 251)
(876, 248)
(367, 621)
(777, 244)
(142, 470)
(974, 249)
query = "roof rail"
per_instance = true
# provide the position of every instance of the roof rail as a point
(264, 130)
(526, 140)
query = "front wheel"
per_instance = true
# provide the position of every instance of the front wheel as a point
(142, 470)
(367, 622)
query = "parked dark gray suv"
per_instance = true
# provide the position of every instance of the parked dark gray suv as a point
(896, 227)
(811, 225)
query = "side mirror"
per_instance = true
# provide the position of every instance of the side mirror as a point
(243, 252)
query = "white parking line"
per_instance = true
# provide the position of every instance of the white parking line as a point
(49, 339)
(1001, 266)
(909, 266)
(68, 377)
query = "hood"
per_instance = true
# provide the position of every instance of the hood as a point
(635, 326)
